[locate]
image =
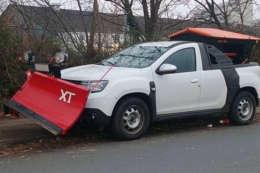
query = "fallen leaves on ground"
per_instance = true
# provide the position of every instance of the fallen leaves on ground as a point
(46, 145)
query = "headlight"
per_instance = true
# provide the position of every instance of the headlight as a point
(91, 84)
(28, 56)
(61, 57)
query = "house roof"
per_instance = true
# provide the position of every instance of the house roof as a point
(65, 20)
(215, 33)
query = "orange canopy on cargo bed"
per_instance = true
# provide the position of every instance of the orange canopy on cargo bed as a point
(215, 33)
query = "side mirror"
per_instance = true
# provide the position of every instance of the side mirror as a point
(166, 69)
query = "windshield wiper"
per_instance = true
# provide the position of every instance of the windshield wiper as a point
(107, 62)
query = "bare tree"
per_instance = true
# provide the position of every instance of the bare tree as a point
(225, 14)
(127, 7)
(94, 25)
(45, 21)
(3, 5)
(143, 16)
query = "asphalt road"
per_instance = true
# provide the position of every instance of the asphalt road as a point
(221, 149)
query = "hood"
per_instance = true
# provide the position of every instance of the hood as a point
(95, 72)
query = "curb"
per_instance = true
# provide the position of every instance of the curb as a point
(13, 131)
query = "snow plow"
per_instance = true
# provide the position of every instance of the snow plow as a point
(52, 103)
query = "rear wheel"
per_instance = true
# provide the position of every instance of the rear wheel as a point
(243, 109)
(131, 119)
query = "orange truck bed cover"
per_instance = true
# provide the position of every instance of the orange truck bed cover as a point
(215, 33)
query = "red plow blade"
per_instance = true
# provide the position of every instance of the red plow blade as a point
(54, 104)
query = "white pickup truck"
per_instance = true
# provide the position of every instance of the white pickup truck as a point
(157, 81)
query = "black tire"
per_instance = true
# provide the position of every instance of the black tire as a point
(243, 108)
(128, 113)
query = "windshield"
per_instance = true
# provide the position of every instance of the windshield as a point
(136, 56)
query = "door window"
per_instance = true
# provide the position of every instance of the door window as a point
(184, 60)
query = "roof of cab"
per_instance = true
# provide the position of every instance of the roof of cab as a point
(160, 43)
(215, 33)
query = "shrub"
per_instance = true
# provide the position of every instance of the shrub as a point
(12, 67)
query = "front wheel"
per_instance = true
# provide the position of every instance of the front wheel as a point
(131, 119)
(243, 109)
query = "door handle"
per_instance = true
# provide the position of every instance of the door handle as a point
(194, 81)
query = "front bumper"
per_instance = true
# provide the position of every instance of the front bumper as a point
(95, 117)
(103, 101)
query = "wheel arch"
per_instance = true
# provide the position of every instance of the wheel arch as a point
(232, 95)
(146, 98)
(251, 90)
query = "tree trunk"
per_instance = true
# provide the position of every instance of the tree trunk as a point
(90, 45)
(213, 14)
(134, 27)
(155, 6)
(146, 18)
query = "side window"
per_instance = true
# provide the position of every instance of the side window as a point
(184, 60)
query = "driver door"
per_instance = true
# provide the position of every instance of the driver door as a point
(179, 91)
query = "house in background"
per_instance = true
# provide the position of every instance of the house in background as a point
(73, 28)
(67, 26)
